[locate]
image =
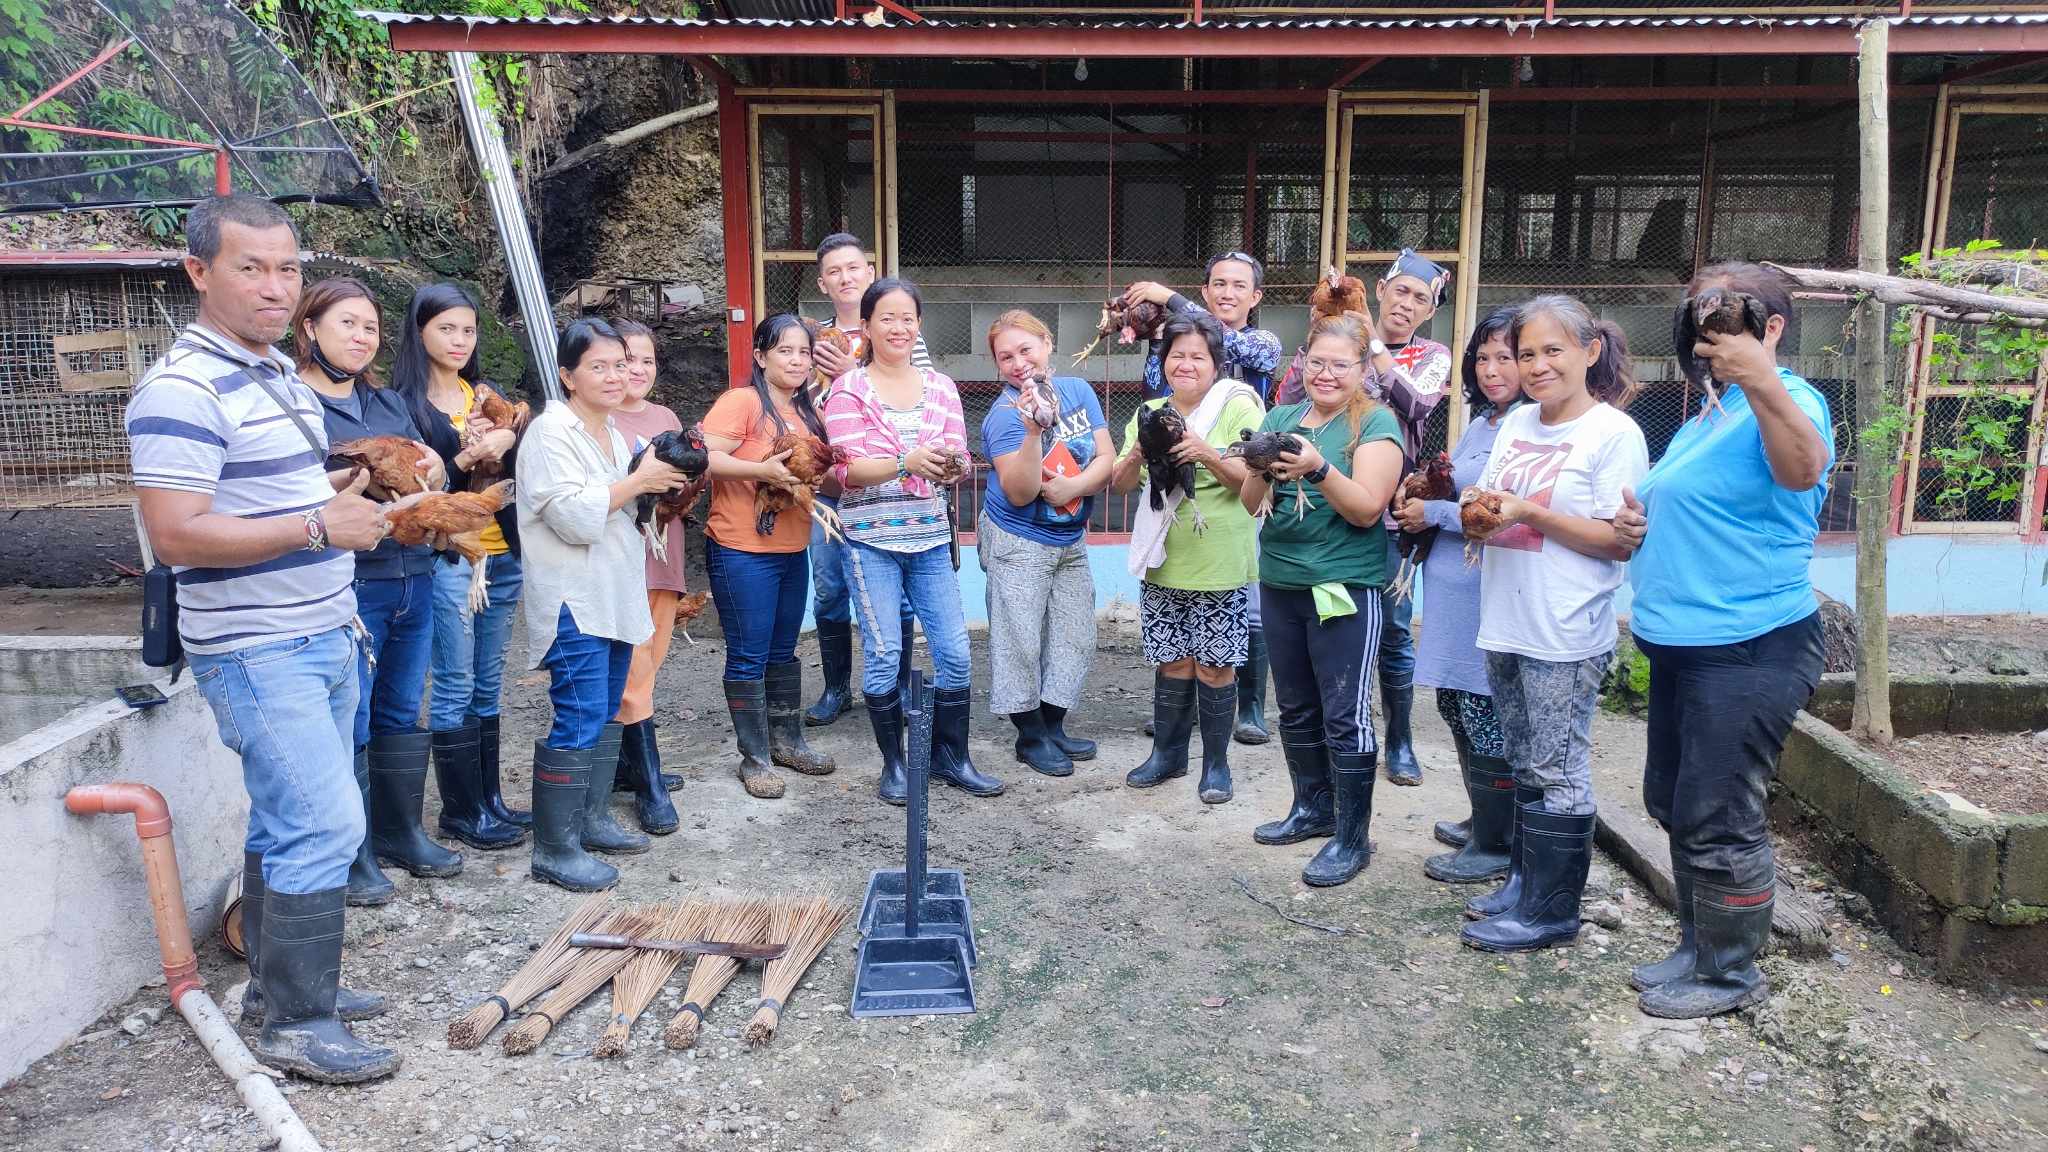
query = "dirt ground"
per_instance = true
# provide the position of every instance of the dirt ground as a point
(1131, 996)
(1997, 771)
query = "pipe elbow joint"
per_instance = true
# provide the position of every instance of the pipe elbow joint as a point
(151, 811)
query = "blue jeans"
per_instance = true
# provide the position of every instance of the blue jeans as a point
(288, 710)
(399, 615)
(1397, 643)
(588, 675)
(883, 583)
(760, 599)
(469, 651)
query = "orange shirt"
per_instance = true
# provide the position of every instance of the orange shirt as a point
(738, 416)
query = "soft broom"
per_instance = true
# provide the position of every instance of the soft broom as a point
(542, 971)
(597, 966)
(740, 921)
(636, 985)
(803, 925)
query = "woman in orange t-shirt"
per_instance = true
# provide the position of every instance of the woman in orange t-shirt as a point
(760, 579)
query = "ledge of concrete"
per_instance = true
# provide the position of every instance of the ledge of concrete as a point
(1975, 702)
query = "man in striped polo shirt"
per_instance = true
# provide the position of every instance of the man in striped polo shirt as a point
(230, 472)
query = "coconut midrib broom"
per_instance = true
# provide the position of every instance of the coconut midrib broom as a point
(739, 921)
(803, 925)
(597, 966)
(637, 984)
(553, 960)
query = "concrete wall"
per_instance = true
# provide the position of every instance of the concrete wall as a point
(75, 931)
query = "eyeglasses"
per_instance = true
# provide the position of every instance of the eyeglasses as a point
(1333, 367)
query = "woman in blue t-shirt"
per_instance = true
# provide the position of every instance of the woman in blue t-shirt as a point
(1052, 453)
(1724, 609)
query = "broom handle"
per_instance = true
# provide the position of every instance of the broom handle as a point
(920, 750)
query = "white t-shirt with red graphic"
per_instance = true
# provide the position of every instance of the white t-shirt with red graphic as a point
(1537, 597)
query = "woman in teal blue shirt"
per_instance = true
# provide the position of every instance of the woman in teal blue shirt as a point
(1724, 608)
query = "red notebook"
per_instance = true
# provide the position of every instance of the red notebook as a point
(1059, 461)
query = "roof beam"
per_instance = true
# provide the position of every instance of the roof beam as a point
(454, 34)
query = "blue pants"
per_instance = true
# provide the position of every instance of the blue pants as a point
(469, 651)
(833, 601)
(1397, 643)
(398, 614)
(587, 677)
(760, 599)
(288, 709)
(885, 583)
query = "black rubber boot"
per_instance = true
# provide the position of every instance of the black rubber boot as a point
(1456, 832)
(1216, 711)
(1251, 691)
(1173, 721)
(349, 1004)
(494, 787)
(835, 658)
(1644, 977)
(885, 714)
(1504, 897)
(1075, 747)
(1732, 928)
(1348, 850)
(299, 966)
(1557, 853)
(640, 759)
(628, 777)
(786, 745)
(602, 831)
(1313, 812)
(1397, 703)
(458, 770)
(1036, 748)
(950, 762)
(1491, 784)
(398, 787)
(561, 781)
(368, 886)
(747, 701)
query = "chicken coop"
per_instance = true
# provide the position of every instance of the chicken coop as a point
(1044, 153)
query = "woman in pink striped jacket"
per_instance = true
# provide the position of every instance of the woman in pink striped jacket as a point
(902, 443)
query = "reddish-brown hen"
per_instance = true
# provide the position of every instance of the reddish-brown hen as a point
(1432, 481)
(1335, 294)
(397, 466)
(459, 516)
(1479, 514)
(808, 461)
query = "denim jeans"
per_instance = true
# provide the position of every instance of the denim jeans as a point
(1546, 722)
(760, 599)
(883, 582)
(469, 651)
(288, 709)
(398, 614)
(1397, 643)
(587, 677)
(828, 574)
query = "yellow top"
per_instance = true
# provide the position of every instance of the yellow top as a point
(493, 537)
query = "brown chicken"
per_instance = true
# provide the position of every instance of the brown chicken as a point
(808, 461)
(461, 517)
(1432, 481)
(956, 466)
(1479, 514)
(837, 339)
(1335, 294)
(502, 413)
(397, 466)
(1130, 323)
(688, 608)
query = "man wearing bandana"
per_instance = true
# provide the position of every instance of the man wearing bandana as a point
(1408, 373)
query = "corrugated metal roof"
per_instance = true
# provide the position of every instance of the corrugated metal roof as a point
(1506, 23)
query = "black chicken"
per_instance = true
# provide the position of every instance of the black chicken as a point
(685, 452)
(1159, 429)
(1716, 309)
(1261, 453)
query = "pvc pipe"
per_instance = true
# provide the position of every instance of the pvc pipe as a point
(253, 1082)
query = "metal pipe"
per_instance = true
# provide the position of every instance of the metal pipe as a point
(181, 966)
(522, 262)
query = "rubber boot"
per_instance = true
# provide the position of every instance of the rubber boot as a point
(398, 786)
(1504, 897)
(1348, 850)
(1036, 748)
(561, 781)
(458, 770)
(494, 788)
(1456, 832)
(1313, 812)
(1644, 977)
(299, 966)
(640, 759)
(1731, 928)
(602, 831)
(835, 659)
(747, 701)
(1491, 784)
(1217, 712)
(368, 886)
(950, 763)
(628, 777)
(1251, 692)
(1557, 853)
(1398, 703)
(349, 1004)
(885, 714)
(1075, 747)
(786, 745)
(1173, 721)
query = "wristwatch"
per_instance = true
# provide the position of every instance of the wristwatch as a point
(1377, 347)
(1317, 476)
(316, 532)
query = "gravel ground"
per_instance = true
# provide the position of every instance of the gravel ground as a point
(1131, 996)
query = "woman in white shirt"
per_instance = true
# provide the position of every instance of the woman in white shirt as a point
(1546, 608)
(586, 602)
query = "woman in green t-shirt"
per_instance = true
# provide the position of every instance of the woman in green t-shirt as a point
(1194, 557)
(1322, 563)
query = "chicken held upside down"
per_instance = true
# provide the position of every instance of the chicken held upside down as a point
(1432, 481)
